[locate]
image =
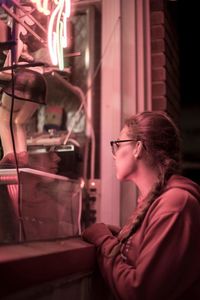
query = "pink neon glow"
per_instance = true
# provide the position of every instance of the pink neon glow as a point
(52, 37)
(67, 8)
(57, 31)
(58, 34)
(45, 7)
(42, 6)
(66, 15)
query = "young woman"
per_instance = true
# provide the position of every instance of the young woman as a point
(156, 255)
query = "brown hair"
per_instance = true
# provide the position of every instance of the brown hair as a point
(161, 141)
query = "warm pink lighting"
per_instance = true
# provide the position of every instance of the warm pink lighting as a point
(52, 37)
(57, 29)
(66, 15)
(82, 183)
(42, 6)
(57, 32)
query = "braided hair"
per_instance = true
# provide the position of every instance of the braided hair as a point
(161, 141)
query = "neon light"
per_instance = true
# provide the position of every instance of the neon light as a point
(59, 36)
(57, 32)
(66, 15)
(68, 8)
(57, 29)
(42, 6)
(61, 54)
(64, 37)
(45, 6)
(52, 37)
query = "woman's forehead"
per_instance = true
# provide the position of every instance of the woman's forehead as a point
(123, 133)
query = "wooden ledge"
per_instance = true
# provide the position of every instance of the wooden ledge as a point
(28, 264)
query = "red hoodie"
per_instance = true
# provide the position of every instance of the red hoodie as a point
(162, 259)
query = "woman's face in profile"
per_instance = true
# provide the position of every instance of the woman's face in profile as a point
(125, 161)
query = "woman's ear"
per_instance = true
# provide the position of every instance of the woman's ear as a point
(137, 151)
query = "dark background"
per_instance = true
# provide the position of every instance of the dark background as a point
(188, 28)
(187, 18)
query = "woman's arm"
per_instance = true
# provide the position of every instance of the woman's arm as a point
(166, 262)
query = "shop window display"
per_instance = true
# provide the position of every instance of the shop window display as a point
(39, 167)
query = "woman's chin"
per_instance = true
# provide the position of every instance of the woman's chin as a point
(120, 177)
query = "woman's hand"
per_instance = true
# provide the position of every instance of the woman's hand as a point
(114, 229)
(96, 233)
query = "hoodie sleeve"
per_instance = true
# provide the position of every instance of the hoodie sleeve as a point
(168, 251)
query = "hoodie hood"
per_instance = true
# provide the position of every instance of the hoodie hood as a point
(177, 181)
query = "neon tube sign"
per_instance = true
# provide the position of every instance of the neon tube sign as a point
(42, 6)
(57, 29)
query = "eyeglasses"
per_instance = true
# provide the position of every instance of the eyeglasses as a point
(115, 145)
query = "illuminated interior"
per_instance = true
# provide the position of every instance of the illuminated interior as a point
(48, 140)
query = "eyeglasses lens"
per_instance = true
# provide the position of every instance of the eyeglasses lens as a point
(115, 147)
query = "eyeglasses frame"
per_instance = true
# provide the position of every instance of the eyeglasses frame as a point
(120, 141)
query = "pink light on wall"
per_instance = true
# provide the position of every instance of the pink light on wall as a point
(57, 28)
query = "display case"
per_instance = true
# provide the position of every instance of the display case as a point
(37, 205)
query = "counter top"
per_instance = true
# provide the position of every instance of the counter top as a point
(27, 264)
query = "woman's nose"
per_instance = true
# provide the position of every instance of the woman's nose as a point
(114, 156)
